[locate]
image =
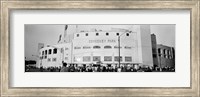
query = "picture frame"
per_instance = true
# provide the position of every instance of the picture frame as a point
(8, 6)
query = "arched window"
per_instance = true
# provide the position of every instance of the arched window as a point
(86, 47)
(45, 52)
(49, 51)
(159, 50)
(77, 47)
(54, 51)
(164, 52)
(96, 47)
(42, 52)
(107, 47)
(117, 47)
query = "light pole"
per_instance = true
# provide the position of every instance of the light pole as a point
(160, 62)
(119, 45)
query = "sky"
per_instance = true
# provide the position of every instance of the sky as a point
(49, 34)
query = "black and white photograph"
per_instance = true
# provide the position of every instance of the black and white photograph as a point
(99, 47)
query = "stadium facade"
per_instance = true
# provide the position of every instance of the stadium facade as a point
(97, 47)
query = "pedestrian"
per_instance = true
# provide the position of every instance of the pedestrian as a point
(64, 68)
(72, 68)
(89, 69)
(41, 69)
(98, 69)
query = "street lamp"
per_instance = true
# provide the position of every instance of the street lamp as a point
(160, 62)
(119, 44)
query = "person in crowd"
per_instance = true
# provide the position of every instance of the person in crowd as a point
(76, 69)
(83, 68)
(123, 69)
(104, 69)
(41, 69)
(98, 69)
(115, 69)
(64, 68)
(101, 68)
(89, 69)
(93, 69)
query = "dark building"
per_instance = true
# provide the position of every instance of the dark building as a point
(163, 56)
(154, 50)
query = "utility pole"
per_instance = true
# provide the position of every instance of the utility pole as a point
(119, 49)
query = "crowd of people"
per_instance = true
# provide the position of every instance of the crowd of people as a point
(100, 68)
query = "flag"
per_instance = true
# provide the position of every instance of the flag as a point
(65, 33)
(60, 38)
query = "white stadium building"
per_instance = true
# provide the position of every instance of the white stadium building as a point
(100, 48)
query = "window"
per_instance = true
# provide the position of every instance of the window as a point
(86, 47)
(97, 34)
(117, 34)
(117, 58)
(55, 51)
(117, 47)
(167, 52)
(77, 47)
(154, 56)
(127, 47)
(77, 35)
(77, 59)
(42, 52)
(45, 56)
(54, 59)
(164, 51)
(159, 50)
(107, 34)
(86, 59)
(86, 34)
(49, 59)
(127, 34)
(107, 47)
(49, 51)
(96, 47)
(107, 58)
(96, 58)
(128, 59)
(45, 52)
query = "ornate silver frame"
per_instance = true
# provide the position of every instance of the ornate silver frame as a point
(8, 5)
